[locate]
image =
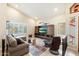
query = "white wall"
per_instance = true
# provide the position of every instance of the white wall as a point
(55, 21)
(12, 14)
(8, 13)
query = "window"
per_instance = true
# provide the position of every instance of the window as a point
(15, 27)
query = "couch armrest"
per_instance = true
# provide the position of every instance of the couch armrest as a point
(18, 47)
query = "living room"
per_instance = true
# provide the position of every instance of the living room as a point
(36, 25)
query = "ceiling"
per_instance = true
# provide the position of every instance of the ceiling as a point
(42, 10)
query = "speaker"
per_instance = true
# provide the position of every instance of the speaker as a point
(3, 47)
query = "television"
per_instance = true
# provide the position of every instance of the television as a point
(43, 29)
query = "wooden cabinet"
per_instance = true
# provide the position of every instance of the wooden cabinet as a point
(50, 29)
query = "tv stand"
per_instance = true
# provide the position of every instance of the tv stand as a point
(44, 31)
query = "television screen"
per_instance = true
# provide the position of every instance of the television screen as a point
(43, 30)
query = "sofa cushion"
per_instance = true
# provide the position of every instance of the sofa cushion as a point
(19, 47)
(12, 41)
(19, 41)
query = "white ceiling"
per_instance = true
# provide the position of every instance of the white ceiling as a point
(42, 10)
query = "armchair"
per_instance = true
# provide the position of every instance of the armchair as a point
(55, 45)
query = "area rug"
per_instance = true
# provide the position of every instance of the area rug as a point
(37, 50)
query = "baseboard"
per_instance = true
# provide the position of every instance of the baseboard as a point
(74, 49)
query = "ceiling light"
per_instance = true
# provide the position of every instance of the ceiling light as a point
(16, 6)
(56, 9)
(36, 17)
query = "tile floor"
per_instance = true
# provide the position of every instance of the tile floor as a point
(47, 53)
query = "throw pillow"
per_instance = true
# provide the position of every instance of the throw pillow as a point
(19, 41)
(12, 41)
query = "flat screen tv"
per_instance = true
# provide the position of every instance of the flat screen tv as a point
(43, 30)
